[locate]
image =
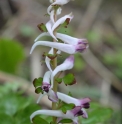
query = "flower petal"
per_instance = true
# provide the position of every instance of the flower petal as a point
(49, 28)
(85, 115)
(67, 39)
(46, 78)
(66, 65)
(52, 16)
(52, 96)
(76, 110)
(71, 49)
(84, 103)
(55, 113)
(40, 97)
(61, 21)
(41, 35)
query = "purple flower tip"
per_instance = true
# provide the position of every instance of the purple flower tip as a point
(85, 103)
(82, 45)
(45, 87)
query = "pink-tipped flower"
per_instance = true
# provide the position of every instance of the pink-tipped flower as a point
(66, 65)
(70, 49)
(70, 114)
(46, 87)
(83, 103)
(66, 39)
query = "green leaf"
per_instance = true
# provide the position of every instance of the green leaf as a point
(11, 54)
(5, 119)
(59, 80)
(66, 107)
(38, 90)
(42, 27)
(69, 79)
(52, 122)
(97, 114)
(39, 120)
(37, 82)
(65, 121)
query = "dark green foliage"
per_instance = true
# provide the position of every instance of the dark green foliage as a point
(15, 108)
(65, 121)
(69, 79)
(97, 114)
(37, 84)
(11, 54)
(65, 107)
(39, 120)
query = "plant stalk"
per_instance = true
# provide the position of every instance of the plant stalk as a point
(54, 66)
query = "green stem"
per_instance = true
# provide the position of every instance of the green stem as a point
(54, 66)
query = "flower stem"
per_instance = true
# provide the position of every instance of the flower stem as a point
(54, 66)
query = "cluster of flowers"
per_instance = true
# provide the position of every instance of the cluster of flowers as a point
(68, 45)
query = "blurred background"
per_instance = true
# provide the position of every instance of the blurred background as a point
(98, 70)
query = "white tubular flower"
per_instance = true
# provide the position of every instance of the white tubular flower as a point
(67, 48)
(62, 20)
(49, 28)
(66, 65)
(70, 114)
(83, 103)
(65, 38)
(46, 87)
